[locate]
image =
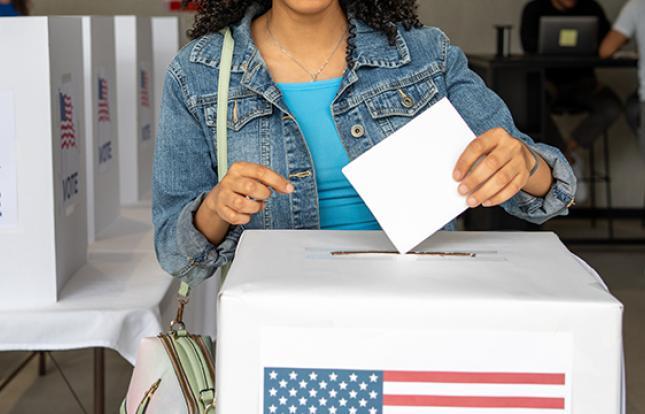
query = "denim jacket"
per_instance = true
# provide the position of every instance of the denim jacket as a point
(384, 88)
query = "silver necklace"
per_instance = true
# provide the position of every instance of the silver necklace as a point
(313, 75)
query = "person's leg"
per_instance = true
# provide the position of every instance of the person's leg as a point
(632, 112)
(604, 108)
(552, 135)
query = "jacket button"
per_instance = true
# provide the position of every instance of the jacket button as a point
(407, 102)
(358, 131)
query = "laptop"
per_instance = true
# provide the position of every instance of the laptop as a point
(569, 36)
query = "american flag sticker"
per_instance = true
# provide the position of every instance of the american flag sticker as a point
(67, 129)
(343, 391)
(69, 144)
(103, 102)
(372, 371)
(144, 88)
(145, 104)
(104, 148)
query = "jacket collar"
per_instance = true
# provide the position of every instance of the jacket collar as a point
(370, 48)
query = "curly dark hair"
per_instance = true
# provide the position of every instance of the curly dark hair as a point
(382, 15)
(21, 6)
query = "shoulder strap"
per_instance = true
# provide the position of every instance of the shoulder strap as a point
(226, 61)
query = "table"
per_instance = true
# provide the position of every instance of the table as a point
(119, 297)
(520, 81)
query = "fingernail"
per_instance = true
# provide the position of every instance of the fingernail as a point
(290, 188)
(472, 201)
(487, 204)
(457, 175)
(463, 189)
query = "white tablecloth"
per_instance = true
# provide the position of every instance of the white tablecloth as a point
(119, 297)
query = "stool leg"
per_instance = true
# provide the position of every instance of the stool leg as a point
(610, 217)
(99, 380)
(42, 364)
(592, 184)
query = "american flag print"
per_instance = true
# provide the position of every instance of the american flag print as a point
(67, 130)
(144, 88)
(342, 391)
(103, 100)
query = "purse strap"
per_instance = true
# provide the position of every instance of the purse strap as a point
(226, 62)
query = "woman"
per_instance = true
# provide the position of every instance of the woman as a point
(13, 8)
(316, 83)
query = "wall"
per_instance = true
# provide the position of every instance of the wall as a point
(145, 7)
(478, 17)
(109, 7)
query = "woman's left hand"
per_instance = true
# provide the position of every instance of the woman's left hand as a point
(503, 171)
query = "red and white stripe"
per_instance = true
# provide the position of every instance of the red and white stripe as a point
(406, 392)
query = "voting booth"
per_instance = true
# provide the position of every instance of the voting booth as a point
(101, 126)
(43, 224)
(312, 321)
(135, 94)
(165, 45)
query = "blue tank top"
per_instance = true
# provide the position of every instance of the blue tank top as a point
(341, 208)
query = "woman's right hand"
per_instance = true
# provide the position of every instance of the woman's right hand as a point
(238, 196)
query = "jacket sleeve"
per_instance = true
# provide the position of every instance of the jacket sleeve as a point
(184, 172)
(484, 110)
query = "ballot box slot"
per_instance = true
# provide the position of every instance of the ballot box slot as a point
(367, 255)
(426, 254)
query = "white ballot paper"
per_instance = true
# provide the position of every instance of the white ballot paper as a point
(406, 180)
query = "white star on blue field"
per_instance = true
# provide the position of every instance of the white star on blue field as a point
(322, 391)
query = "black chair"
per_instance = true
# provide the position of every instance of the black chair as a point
(595, 175)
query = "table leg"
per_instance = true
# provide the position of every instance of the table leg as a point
(42, 363)
(99, 381)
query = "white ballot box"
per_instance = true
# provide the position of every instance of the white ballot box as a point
(43, 224)
(165, 45)
(103, 199)
(475, 323)
(135, 90)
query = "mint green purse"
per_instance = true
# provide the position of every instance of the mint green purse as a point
(175, 371)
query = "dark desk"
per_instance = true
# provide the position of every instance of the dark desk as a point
(548, 62)
(520, 81)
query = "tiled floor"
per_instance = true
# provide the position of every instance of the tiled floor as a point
(623, 268)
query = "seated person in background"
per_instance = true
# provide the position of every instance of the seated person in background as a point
(573, 88)
(11, 8)
(631, 24)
